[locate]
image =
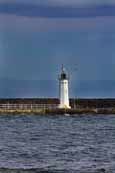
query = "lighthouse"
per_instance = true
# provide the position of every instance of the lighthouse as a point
(63, 90)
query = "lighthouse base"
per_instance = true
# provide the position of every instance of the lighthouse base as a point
(64, 107)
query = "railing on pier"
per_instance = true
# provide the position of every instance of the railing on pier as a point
(28, 106)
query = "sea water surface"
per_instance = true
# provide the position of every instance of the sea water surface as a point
(58, 143)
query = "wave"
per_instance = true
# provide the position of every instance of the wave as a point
(30, 170)
(37, 170)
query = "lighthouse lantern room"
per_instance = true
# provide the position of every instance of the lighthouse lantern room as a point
(63, 90)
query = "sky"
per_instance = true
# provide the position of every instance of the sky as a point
(61, 2)
(36, 37)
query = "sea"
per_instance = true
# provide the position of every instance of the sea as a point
(57, 143)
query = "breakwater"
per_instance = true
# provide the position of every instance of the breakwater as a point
(74, 102)
(50, 106)
(58, 111)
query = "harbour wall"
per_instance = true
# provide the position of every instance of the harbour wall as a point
(50, 106)
(74, 102)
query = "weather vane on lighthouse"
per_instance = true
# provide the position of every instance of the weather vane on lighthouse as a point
(63, 89)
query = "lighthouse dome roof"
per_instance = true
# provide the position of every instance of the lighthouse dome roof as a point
(63, 75)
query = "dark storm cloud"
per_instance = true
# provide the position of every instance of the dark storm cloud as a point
(56, 11)
(61, 2)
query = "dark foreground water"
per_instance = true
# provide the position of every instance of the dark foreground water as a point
(57, 144)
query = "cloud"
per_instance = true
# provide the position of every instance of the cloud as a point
(28, 24)
(79, 2)
(23, 1)
(56, 12)
(60, 2)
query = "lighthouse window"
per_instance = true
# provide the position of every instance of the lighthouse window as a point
(63, 76)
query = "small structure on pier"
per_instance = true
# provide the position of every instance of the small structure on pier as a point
(63, 90)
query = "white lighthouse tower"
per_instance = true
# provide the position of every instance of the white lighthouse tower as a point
(63, 90)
